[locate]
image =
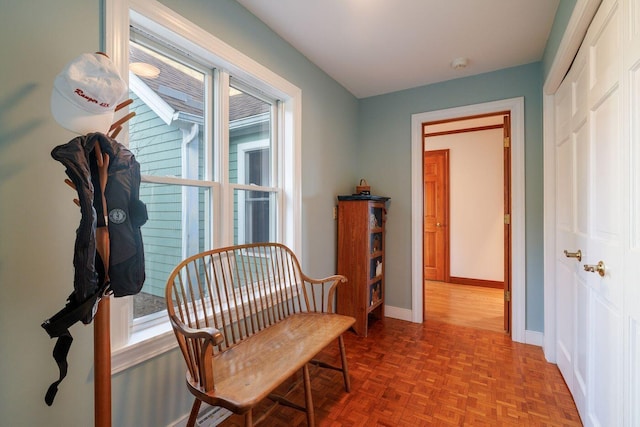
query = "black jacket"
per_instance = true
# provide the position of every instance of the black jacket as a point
(126, 214)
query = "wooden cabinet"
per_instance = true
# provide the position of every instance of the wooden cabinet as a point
(361, 258)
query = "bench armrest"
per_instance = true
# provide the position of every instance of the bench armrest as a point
(208, 334)
(200, 342)
(328, 286)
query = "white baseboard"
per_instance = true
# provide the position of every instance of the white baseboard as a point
(530, 337)
(398, 313)
(534, 338)
(209, 416)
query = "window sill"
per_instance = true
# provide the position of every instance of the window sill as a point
(143, 346)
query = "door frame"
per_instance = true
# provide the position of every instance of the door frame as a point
(516, 108)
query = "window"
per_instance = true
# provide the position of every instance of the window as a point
(167, 136)
(218, 147)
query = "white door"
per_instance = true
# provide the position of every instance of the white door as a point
(596, 193)
(631, 293)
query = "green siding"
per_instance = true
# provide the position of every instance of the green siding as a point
(158, 149)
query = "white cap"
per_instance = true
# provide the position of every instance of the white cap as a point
(86, 93)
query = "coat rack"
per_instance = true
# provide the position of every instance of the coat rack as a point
(102, 319)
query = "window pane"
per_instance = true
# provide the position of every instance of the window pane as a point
(167, 137)
(249, 130)
(178, 227)
(166, 134)
(254, 216)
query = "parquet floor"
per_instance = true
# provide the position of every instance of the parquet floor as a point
(433, 374)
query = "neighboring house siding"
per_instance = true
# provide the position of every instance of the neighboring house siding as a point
(233, 177)
(162, 234)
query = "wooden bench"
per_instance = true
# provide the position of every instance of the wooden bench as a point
(247, 319)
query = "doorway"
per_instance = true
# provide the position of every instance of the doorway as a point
(468, 217)
(515, 106)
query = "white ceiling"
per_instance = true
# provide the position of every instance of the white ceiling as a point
(373, 47)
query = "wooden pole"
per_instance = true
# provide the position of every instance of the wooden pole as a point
(102, 364)
(102, 319)
(102, 326)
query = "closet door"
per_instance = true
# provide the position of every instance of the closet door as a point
(605, 243)
(572, 225)
(592, 217)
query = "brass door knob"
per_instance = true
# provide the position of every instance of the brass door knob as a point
(598, 268)
(577, 255)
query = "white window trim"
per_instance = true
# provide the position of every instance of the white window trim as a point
(149, 97)
(159, 19)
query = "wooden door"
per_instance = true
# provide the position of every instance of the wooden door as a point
(592, 223)
(436, 215)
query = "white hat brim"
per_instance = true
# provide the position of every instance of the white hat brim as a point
(77, 120)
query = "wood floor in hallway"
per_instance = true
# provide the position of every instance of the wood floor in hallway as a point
(433, 374)
(465, 305)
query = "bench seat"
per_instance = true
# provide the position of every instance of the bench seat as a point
(247, 373)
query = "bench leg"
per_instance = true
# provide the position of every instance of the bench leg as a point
(345, 370)
(193, 416)
(248, 418)
(307, 396)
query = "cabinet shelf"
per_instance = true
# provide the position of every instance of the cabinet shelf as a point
(374, 306)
